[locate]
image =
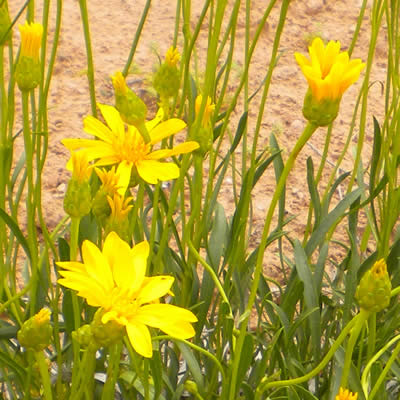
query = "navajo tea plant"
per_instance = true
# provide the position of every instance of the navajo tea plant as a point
(153, 285)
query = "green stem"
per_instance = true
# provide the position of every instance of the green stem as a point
(308, 131)
(371, 336)
(44, 373)
(86, 371)
(368, 367)
(364, 315)
(89, 55)
(74, 245)
(112, 371)
(288, 382)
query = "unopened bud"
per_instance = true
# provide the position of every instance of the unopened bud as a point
(106, 334)
(374, 290)
(166, 79)
(35, 333)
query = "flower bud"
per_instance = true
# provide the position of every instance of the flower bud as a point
(320, 112)
(28, 72)
(118, 221)
(167, 80)
(78, 198)
(83, 335)
(345, 394)
(374, 289)
(105, 334)
(132, 109)
(35, 333)
(5, 24)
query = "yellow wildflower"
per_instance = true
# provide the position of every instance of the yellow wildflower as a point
(172, 56)
(110, 180)
(114, 279)
(374, 290)
(28, 72)
(35, 333)
(126, 147)
(345, 394)
(329, 73)
(81, 169)
(118, 220)
(208, 111)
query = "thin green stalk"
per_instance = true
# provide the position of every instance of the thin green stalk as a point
(308, 131)
(365, 374)
(153, 230)
(44, 374)
(371, 336)
(364, 315)
(289, 382)
(85, 374)
(89, 55)
(112, 371)
(136, 38)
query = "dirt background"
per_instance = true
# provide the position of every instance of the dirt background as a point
(113, 25)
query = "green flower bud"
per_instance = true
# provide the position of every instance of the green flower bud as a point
(204, 137)
(5, 24)
(36, 332)
(320, 112)
(132, 109)
(167, 80)
(118, 221)
(83, 335)
(28, 72)
(78, 198)
(374, 289)
(100, 207)
(106, 334)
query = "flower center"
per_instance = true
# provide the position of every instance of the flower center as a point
(131, 146)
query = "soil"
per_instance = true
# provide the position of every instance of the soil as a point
(113, 25)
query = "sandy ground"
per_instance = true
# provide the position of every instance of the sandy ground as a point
(113, 24)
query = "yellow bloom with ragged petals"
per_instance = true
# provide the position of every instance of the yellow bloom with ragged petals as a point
(31, 39)
(123, 145)
(114, 279)
(345, 394)
(172, 56)
(329, 72)
(81, 169)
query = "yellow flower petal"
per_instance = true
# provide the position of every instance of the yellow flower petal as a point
(155, 287)
(150, 125)
(166, 129)
(140, 338)
(96, 128)
(152, 171)
(113, 118)
(97, 266)
(124, 171)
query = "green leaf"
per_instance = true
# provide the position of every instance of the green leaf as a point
(312, 188)
(193, 365)
(17, 232)
(246, 358)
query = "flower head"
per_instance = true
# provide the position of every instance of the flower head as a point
(208, 111)
(172, 56)
(28, 72)
(118, 220)
(374, 290)
(36, 332)
(114, 279)
(124, 145)
(345, 394)
(329, 73)
(81, 169)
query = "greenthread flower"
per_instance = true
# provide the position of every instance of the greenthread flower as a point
(345, 394)
(374, 290)
(28, 72)
(132, 109)
(114, 280)
(36, 332)
(78, 197)
(124, 146)
(329, 74)
(118, 220)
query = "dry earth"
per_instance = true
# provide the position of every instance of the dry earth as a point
(113, 25)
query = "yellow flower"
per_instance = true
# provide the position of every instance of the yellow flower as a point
(346, 395)
(126, 147)
(208, 111)
(172, 56)
(28, 71)
(31, 38)
(118, 81)
(374, 290)
(328, 72)
(110, 180)
(81, 169)
(118, 220)
(114, 279)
